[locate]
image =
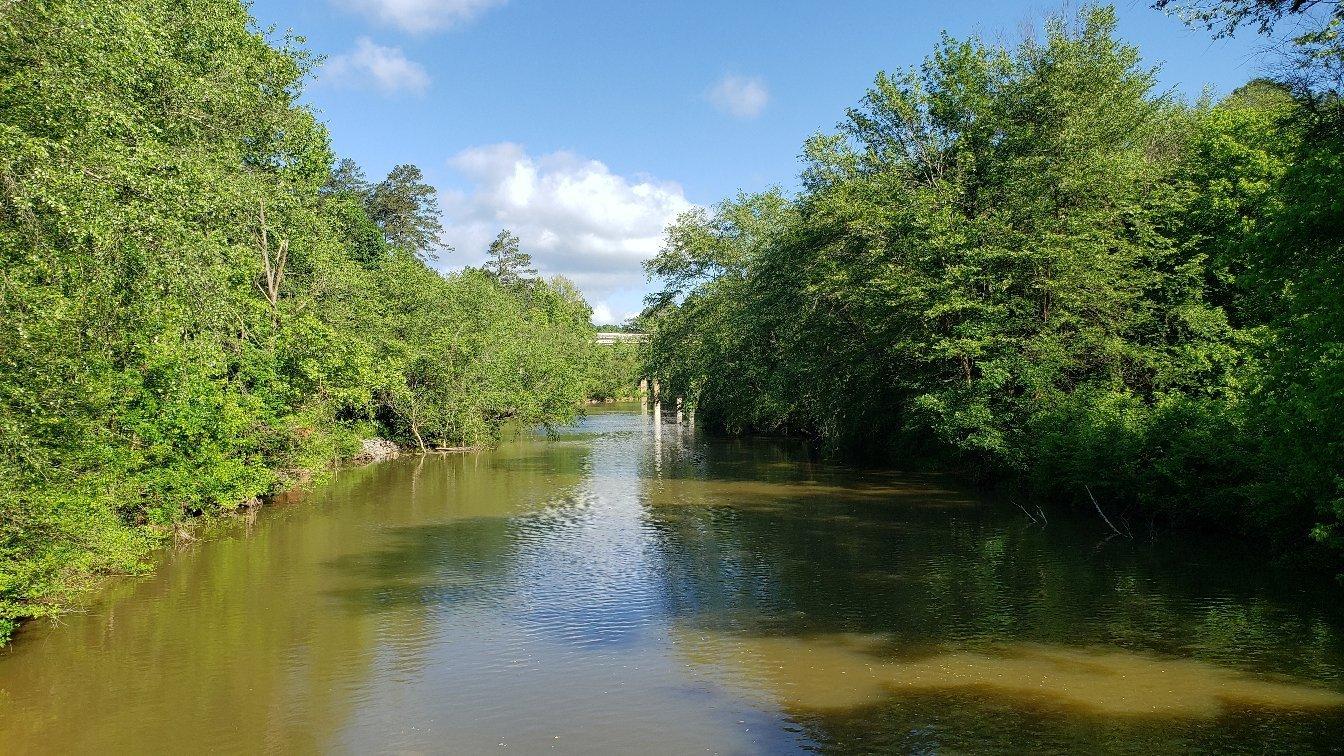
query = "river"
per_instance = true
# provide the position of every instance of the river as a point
(610, 590)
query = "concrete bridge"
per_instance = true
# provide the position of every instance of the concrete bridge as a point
(607, 338)
(651, 397)
(650, 391)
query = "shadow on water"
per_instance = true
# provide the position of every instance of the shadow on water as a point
(866, 692)
(428, 565)
(893, 612)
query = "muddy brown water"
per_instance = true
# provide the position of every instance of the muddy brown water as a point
(610, 590)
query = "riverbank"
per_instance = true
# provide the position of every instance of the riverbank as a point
(53, 577)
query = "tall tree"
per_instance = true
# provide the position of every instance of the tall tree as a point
(1027, 259)
(407, 210)
(347, 177)
(507, 261)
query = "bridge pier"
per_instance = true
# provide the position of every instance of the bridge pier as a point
(657, 406)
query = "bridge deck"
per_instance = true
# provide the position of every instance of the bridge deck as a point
(607, 338)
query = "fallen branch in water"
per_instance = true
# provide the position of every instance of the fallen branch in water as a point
(1118, 531)
(1029, 515)
(1105, 541)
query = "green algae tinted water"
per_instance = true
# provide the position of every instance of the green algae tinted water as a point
(613, 590)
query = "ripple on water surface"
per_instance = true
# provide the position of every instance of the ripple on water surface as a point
(612, 590)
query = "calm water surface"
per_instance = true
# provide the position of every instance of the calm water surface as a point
(609, 591)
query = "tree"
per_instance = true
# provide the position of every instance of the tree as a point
(1026, 261)
(509, 264)
(348, 178)
(197, 301)
(1290, 256)
(407, 210)
(1224, 17)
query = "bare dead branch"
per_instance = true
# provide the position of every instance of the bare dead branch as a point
(273, 264)
(1112, 526)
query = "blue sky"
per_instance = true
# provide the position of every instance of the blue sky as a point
(585, 126)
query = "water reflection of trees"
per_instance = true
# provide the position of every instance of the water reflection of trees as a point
(180, 659)
(759, 549)
(254, 640)
(259, 639)
(448, 535)
(830, 549)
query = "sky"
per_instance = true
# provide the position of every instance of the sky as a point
(585, 127)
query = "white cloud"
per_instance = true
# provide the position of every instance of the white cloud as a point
(604, 315)
(421, 15)
(573, 215)
(601, 313)
(740, 96)
(383, 68)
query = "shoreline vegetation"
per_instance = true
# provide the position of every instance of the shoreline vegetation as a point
(203, 306)
(1023, 261)
(1029, 263)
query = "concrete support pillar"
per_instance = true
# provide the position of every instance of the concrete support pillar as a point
(643, 396)
(657, 406)
(680, 403)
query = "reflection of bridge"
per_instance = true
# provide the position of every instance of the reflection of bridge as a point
(607, 338)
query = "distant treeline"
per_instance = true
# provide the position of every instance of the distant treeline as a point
(617, 371)
(199, 303)
(1030, 262)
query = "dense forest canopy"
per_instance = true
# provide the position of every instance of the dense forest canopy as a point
(199, 302)
(1031, 261)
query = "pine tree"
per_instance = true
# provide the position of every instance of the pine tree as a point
(407, 210)
(508, 263)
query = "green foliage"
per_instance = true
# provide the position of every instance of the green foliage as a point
(1224, 17)
(616, 371)
(488, 354)
(506, 260)
(406, 209)
(1030, 262)
(196, 304)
